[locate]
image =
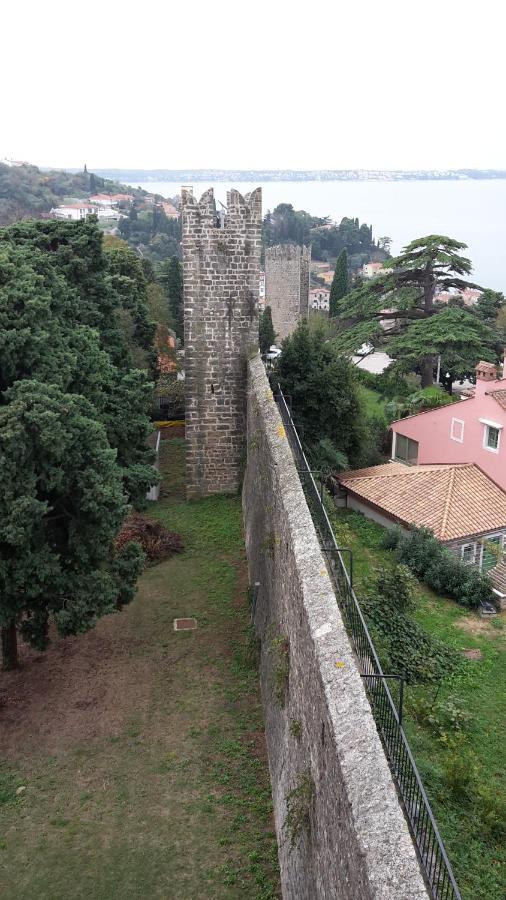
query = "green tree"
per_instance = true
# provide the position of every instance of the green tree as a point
(488, 306)
(460, 338)
(405, 297)
(266, 333)
(339, 286)
(52, 330)
(321, 386)
(500, 324)
(171, 276)
(61, 505)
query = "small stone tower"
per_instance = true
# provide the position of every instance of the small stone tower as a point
(221, 265)
(287, 286)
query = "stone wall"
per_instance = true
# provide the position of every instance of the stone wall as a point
(287, 286)
(221, 264)
(322, 740)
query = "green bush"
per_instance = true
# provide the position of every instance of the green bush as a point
(460, 772)
(389, 384)
(405, 646)
(438, 568)
(443, 719)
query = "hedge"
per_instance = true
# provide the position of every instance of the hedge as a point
(438, 568)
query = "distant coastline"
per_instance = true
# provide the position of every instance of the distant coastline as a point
(263, 175)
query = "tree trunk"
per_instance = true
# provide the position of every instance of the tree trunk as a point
(9, 639)
(427, 371)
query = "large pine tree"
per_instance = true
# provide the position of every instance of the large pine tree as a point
(405, 296)
(340, 283)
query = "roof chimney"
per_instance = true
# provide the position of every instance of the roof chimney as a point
(486, 371)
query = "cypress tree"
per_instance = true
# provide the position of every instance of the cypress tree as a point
(172, 277)
(339, 285)
(266, 333)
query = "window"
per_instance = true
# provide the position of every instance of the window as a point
(457, 430)
(406, 450)
(491, 435)
(468, 554)
(492, 547)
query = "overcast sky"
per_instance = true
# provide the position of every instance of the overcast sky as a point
(388, 84)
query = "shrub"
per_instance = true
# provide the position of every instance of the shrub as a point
(446, 717)
(392, 537)
(389, 384)
(492, 809)
(439, 569)
(411, 651)
(398, 585)
(460, 771)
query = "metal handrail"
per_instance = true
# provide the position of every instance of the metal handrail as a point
(435, 864)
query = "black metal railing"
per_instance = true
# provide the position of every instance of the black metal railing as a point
(435, 863)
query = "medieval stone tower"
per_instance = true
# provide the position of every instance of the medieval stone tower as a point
(221, 264)
(287, 286)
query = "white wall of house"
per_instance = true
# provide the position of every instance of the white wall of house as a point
(370, 513)
(73, 213)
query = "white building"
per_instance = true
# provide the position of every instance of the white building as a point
(371, 269)
(74, 211)
(319, 298)
(105, 200)
(81, 210)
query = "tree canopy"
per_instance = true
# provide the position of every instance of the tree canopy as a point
(61, 505)
(398, 309)
(73, 425)
(170, 275)
(61, 303)
(287, 225)
(321, 387)
(339, 286)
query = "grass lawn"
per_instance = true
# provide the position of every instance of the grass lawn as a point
(463, 769)
(374, 403)
(133, 759)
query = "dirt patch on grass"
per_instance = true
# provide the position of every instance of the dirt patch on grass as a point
(472, 653)
(80, 688)
(475, 625)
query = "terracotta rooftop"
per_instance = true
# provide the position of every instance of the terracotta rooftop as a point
(499, 396)
(453, 500)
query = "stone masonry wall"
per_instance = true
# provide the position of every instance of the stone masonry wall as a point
(287, 286)
(321, 735)
(221, 264)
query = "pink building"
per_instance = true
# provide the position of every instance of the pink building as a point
(470, 296)
(470, 431)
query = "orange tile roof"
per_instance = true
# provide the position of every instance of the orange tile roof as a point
(499, 396)
(453, 500)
